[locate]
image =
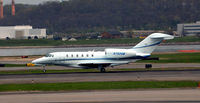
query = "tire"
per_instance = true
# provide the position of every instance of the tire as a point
(148, 65)
(103, 70)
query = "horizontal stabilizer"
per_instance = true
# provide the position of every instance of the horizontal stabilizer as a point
(161, 36)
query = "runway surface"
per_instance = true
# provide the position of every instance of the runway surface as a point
(127, 66)
(109, 76)
(125, 96)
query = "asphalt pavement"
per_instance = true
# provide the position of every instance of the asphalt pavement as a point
(97, 76)
(119, 96)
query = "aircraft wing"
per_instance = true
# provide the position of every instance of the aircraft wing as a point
(103, 63)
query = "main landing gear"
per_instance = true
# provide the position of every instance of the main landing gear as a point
(148, 66)
(102, 69)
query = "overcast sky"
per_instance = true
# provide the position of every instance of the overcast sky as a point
(28, 1)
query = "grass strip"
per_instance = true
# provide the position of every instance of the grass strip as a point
(46, 42)
(15, 65)
(97, 85)
(40, 71)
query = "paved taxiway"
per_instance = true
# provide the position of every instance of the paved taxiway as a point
(95, 76)
(119, 96)
(127, 66)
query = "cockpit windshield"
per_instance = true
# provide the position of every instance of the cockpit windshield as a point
(49, 55)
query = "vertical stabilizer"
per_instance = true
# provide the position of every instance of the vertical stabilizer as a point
(149, 44)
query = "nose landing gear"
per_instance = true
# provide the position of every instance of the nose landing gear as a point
(44, 69)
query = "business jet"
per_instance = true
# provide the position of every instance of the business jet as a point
(102, 59)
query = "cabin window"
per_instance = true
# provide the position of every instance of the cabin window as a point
(76, 55)
(72, 55)
(82, 55)
(87, 55)
(49, 55)
(92, 55)
(67, 55)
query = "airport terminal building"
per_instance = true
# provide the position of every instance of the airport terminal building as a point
(21, 32)
(189, 29)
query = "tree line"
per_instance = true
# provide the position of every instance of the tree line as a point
(101, 15)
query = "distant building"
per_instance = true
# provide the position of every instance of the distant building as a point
(73, 39)
(64, 38)
(144, 33)
(111, 34)
(21, 32)
(49, 37)
(189, 29)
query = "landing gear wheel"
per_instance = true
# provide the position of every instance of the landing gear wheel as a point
(44, 70)
(102, 69)
(148, 66)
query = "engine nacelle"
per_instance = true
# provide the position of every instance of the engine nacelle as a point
(119, 53)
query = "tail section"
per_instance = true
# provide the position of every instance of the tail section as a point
(149, 44)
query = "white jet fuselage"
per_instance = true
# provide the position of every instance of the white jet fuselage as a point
(109, 57)
(91, 59)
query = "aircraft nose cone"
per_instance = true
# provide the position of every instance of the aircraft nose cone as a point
(35, 61)
(38, 61)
